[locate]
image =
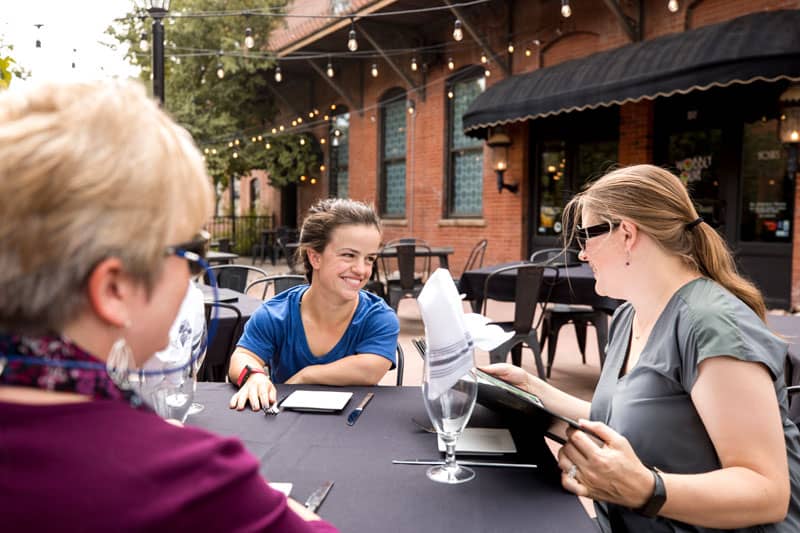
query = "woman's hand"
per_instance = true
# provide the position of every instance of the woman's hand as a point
(606, 468)
(510, 374)
(258, 390)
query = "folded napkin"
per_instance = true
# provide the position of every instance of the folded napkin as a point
(450, 353)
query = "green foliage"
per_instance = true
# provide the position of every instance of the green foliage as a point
(5, 71)
(8, 67)
(214, 110)
(287, 159)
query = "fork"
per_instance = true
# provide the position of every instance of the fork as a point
(275, 408)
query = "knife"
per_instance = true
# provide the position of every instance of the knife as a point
(318, 496)
(465, 463)
(355, 413)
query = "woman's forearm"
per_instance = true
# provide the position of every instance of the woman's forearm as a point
(356, 370)
(557, 400)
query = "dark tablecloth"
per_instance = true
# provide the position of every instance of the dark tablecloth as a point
(373, 495)
(573, 285)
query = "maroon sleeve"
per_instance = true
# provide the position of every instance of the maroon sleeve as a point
(209, 483)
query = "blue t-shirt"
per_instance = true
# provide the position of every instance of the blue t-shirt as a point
(275, 333)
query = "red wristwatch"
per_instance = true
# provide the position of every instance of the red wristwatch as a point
(245, 374)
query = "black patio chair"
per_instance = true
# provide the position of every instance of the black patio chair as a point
(556, 315)
(407, 280)
(475, 260)
(215, 367)
(399, 365)
(528, 282)
(283, 235)
(279, 283)
(234, 277)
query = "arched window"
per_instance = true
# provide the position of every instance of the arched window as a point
(339, 140)
(393, 154)
(465, 161)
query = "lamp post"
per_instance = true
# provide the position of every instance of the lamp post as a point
(158, 9)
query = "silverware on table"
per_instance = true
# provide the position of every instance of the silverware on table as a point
(318, 496)
(355, 413)
(465, 463)
(275, 408)
(424, 427)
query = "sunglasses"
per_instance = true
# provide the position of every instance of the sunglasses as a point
(193, 251)
(584, 234)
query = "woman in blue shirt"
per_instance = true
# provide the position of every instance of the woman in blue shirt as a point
(329, 332)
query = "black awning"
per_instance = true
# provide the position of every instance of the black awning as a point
(758, 47)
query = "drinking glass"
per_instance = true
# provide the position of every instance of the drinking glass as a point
(449, 413)
(171, 391)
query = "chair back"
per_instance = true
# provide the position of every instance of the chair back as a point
(279, 283)
(412, 269)
(556, 257)
(234, 277)
(475, 259)
(399, 366)
(224, 341)
(420, 344)
(528, 283)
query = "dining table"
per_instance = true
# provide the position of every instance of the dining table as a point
(220, 258)
(573, 285)
(370, 493)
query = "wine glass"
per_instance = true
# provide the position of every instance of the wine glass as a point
(169, 390)
(199, 349)
(449, 412)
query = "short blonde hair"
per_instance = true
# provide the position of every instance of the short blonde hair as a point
(88, 171)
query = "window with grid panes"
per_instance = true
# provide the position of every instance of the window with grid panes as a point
(465, 165)
(339, 155)
(393, 155)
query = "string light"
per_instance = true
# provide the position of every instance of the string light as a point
(450, 94)
(450, 64)
(313, 181)
(458, 33)
(299, 120)
(294, 123)
(329, 70)
(235, 155)
(566, 11)
(268, 146)
(310, 114)
(673, 6)
(274, 131)
(220, 70)
(414, 64)
(249, 42)
(410, 107)
(352, 43)
(374, 70)
(510, 47)
(487, 73)
(484, 59)
(144, 42)
(302, 141)
(278, 75)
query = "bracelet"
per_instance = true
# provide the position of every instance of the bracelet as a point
(656, 500)
(245, 374)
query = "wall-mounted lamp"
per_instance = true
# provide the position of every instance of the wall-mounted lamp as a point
(499, 141)
(790, 115)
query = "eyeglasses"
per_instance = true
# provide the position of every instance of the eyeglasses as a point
(193, 251)
(584, 234)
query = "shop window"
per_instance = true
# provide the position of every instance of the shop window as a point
(766, 187)
(564, 168)
(465, 165)
(339, 142)
(695, 157)
(393, 154)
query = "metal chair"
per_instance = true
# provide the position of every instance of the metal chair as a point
(225, 338)
(475, 260)
(279, 283)
(399, 365)
(556, 315)
(528, 282)
(407, 281)
(233, 277)
(283, 234)
(420, 344)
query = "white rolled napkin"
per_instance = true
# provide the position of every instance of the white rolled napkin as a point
(450, 351)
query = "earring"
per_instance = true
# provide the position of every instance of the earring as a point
(119, 362)
(628, 261)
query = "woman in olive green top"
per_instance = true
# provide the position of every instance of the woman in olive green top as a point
(691, 408)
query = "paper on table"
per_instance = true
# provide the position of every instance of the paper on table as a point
(285, 488)
(313, 400)
(483, 441)
(450, 352)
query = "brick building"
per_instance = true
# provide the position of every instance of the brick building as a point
(617, 82)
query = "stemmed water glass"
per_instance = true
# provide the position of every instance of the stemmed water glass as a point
(449, 413)
(199, 350)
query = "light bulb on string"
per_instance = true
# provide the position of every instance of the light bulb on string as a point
(281, 128)
(487, 73)
(458, 33)
(235, 155)
(278, 75)
(528, 52)
(329, 70)
(410, 107)
(313, 181)
(294, 123)
(310, 114)
(249, 42)
(302, 141)
(484, 59)
(374, 70)
(352, 43)
(274, 131)
(268, 146)
(144, 42)
(450, 94)
(220, 71)
(299, 120)
(236, 142)
(414, 64)
(450, 63)
(510, 47)
(673, 6)
(566, 11)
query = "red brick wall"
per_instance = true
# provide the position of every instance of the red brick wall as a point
(636, 133)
